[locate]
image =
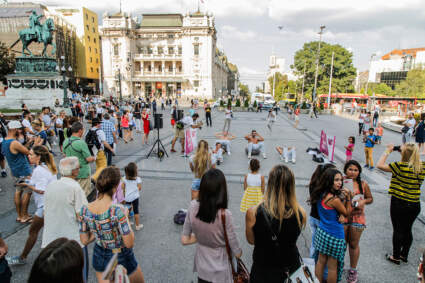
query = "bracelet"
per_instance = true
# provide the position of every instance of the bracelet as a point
(387, 152)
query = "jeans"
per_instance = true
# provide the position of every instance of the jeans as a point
(225, 144)
(403, 215)
(208, 118)
(405, 137)
(361, 125)
(259, 146)
(138, 125)
(227, 123)
(289, 153)
(375, 121)
(108, 154)
(86, 264)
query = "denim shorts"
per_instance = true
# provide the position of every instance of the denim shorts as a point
(102, 256)
(195, 184)
(356, 225)
(40, 212)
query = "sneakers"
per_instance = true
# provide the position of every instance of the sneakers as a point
(281, 157)
(286, 160)
(264, 156)
(352, 276)
(366, 166)
(228, 153)
(371, 168)
(249, 156)
(15, 260)
(173, 150)
(3, 174)
(293, 161)
(139, 227)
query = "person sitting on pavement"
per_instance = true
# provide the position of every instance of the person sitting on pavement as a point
(287, 153)
(255, 143)
(225, 138)
(217, 154)
(181, 126)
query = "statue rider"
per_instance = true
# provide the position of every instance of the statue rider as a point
(35, 25)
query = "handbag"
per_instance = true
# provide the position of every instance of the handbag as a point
(241, 275)
(405, 129)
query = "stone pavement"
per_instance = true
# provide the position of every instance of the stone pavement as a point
(166, 188)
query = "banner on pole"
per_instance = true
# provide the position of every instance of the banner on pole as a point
(190, 140)
(327, 145)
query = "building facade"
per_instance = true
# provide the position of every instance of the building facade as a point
(276, 65)
(392, 68)
(169, 55)
(87, 45)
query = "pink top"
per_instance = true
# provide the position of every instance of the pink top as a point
(124, 121)
(357, 214)
(349, 153)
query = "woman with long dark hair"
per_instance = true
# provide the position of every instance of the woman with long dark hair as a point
(279, 217)
(356, 223)
(203, 225)
(405, 189)
(333, 208)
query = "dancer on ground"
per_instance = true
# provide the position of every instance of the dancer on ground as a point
(132, 186)
(226, 140)
(255, 142)
(333, 206)
(287, 153)
(204, 226)
(281, 216)
(43, 174)
(253, 186)
(107, 224)
(356, 222)
(199, 164)
(405, 189)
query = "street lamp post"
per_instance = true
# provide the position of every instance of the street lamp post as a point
(370, 65)
(317, 64)
(118, 75)
(65, 83)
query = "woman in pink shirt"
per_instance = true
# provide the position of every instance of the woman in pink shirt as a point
(125, 126)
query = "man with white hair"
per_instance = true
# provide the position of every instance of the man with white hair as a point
(63, 200)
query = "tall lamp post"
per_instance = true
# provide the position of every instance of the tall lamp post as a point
(317, 64)
(65, 83)
(370, 66)
(118, 77)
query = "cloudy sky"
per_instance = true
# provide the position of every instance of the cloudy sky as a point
(248, 29)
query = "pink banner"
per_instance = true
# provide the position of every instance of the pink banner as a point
(327, 145)
(190, 140)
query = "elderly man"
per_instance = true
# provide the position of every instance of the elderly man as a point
(63, 200)
(75, 146)
(255, 142)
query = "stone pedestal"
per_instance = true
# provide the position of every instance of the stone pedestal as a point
(35, 90)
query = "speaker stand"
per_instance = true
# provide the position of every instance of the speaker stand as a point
(159, 144)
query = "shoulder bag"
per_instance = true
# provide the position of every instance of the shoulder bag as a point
(303, 274)
(241, 275)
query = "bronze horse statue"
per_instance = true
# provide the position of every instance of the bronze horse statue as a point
(29, 36)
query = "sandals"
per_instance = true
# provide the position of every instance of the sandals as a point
(392, 259)
(404, 259)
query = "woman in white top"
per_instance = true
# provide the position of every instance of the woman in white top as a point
(43, 174)
(253, 186)
(227, 118)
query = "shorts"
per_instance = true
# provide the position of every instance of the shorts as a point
(358, 226)
(5, 272)
(179, 133)
(1, 154)
(297, 118)
(195, 184)
(135, 205)
(40, 212)
(125, 128)
(102, 256)
(61, 137)
(378, 138)
(22, 189)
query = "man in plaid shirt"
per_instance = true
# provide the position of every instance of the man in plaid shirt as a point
(111, 138)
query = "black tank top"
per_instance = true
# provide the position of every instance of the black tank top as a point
(265, 253)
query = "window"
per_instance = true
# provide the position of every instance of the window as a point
(142, 50)
(196, 83)
(196, 49)
(116, 50)
(150, 50)
(87, 16)
(171, 36)
(180, 50)
(170, 68)
(89, 49)
(149, 68)
(91, 60)
(94, 31)
(91, 69)
(88, 38)
(92, 19)
(87, 26)
(94, 40)
(97, 60)
(170, 50)
(159, 68)
(160, 50)
(97, 70)
(95, 50)
(180, 69)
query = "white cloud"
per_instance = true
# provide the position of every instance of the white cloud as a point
(249, 71)
(234, 33)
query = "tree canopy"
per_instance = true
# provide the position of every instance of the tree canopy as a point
(344, 72)
(414, 85)
(243, 90)
(7, 62)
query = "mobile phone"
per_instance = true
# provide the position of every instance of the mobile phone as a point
(348, 184)
(397, 148)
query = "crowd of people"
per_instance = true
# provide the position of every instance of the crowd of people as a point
(79, 208)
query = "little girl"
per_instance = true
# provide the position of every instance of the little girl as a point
(253, 186)
(132, 186)
(349, 149)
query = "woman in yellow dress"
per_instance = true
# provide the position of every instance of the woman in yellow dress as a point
(253, 186)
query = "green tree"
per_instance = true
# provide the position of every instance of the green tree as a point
(259, 89)
(344, 72)
(243, 90)
(380, 88)
(7, 62)
(413, 86)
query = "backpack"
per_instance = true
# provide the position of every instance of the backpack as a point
(92, 140)
(180, 216)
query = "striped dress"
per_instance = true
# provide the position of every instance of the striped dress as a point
(252, 195)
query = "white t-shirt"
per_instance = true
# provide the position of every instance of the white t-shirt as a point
(411, 123)
(59, 122)
(63, 200)
(40, 178)
(27, 124)
(131, 190)
(187, 121)
(228, 114)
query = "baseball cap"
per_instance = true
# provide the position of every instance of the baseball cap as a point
(14, 125)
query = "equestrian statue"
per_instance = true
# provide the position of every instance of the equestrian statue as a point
(39, 33)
